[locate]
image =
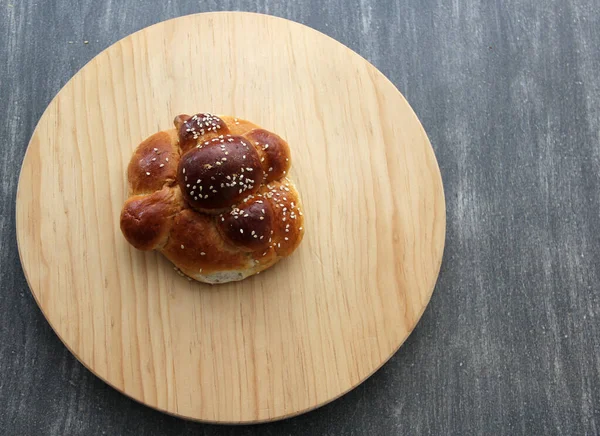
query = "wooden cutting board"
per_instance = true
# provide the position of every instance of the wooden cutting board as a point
(302, 333)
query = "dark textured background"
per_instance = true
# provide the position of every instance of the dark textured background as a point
(509, 93)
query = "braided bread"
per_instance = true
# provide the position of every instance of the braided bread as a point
(213, 196)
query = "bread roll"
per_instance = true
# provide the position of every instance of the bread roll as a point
(214, 197)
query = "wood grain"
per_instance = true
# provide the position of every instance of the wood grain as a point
(274, 345)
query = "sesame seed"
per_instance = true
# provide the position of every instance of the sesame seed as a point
(300, 228)
(182, 247)
(286, 238)
(161, 165)
(155, 149)
(242, 231)
(183, 171)
(261, 218)
(153, 159)
(266, 146)
(167, 159)
(270, 169)
(202, 253)
(147, 173)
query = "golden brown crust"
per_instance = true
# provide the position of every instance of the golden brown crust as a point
(195, 244)
(216, 201)
(154, 163)
(200, 126)
(275, 153)
(146, 220)
(288, 219)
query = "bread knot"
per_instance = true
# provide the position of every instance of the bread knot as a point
(213, 195)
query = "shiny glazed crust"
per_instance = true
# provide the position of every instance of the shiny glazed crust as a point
(213, 196)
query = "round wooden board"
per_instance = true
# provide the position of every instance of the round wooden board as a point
(302, 333)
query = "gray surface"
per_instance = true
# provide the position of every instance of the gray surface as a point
(509, 93)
